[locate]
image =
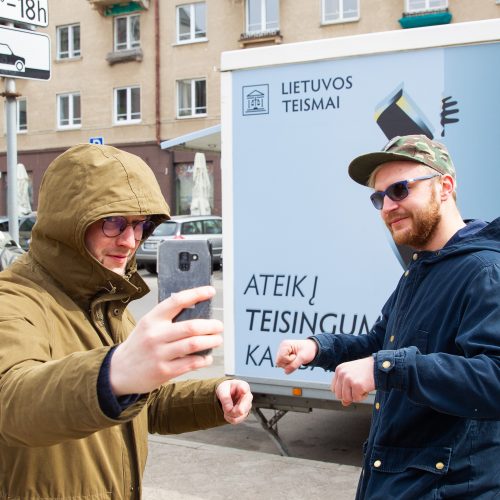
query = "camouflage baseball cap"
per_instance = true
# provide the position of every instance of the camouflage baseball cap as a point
(418, 148)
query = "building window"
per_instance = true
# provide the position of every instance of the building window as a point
(127, 105)
(127, 32)
(191, 22)
(68, 110)
(68, 41)
(22, 117)
(423, 5)
(191, 98)
(262, 16)
(340, 10)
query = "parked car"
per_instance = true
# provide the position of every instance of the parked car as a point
(26, 223)
(9, 250)
(195, 227)
(4, 223)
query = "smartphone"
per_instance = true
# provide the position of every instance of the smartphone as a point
(184, 264)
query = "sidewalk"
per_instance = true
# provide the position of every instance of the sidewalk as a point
(186, 470)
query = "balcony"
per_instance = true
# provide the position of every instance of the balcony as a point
(260, 38)
(425, 18)
(120, 56)
(115, 7)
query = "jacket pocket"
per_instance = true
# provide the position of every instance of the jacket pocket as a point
(396, 460)
(418, 339)
(365, 447)
(421, 341)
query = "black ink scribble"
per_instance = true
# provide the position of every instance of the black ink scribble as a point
(448, 109)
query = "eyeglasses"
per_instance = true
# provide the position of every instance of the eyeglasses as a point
(114, 226)
(397, 191)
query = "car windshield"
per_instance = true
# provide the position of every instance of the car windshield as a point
(165, 229)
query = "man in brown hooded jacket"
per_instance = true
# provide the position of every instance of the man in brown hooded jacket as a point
(81, 383)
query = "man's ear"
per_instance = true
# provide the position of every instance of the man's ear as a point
(448, 184)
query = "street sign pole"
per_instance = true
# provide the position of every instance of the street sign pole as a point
(11, 112)
(11, 122)
(26, 55)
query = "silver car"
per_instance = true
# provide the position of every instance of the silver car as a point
(195, 227)
(26, 223)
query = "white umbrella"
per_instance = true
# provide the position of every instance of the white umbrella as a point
(23, 191)
(200, 201)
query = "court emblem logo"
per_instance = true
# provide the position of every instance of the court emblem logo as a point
(256, 100)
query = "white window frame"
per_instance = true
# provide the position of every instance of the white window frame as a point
(73, 122)
(129, 43)
(263, 18)
(342, 18)
(192, 17)
(129, 119)
(18, 115)
(428, 6)
(192, 105)
(72, 53)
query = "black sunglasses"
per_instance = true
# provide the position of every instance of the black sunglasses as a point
(115, 225)
(397, 191)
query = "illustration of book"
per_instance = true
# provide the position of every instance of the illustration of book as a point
(398, 114)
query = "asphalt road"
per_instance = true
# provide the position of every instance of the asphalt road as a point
(325, 435)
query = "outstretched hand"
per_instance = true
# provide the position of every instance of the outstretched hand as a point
(292, 354)
(354, 380)
(236, 400)
(159, 350)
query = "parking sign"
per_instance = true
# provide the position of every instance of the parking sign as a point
(24, 54)
(25, 11)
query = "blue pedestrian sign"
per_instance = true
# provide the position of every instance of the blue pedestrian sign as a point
(96, 140)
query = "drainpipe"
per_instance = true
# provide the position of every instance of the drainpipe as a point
(157, 71)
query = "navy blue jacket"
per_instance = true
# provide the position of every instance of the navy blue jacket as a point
(436, 420)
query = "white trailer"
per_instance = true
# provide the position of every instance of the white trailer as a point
(304, 251)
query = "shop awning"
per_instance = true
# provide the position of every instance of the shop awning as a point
(206, 139)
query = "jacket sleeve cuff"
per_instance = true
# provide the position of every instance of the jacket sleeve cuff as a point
(111, 405)
(318, 349)
(327, 355)
(390, 369)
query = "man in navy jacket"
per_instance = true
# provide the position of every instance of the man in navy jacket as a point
(434, 354)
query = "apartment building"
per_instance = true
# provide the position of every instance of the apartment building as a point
(135, 74)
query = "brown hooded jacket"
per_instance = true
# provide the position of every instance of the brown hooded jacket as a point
(60, 313)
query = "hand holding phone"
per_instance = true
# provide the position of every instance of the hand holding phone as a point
(184, 264)
(158, 350)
